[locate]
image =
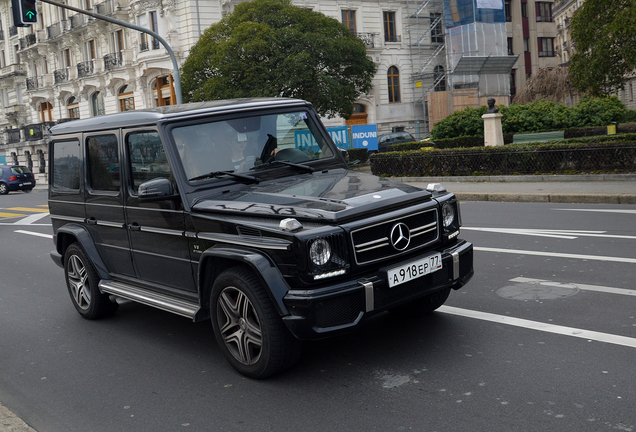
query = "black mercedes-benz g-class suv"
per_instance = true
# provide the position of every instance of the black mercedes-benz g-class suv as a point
(245, 212)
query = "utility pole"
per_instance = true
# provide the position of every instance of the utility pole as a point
(177, 76)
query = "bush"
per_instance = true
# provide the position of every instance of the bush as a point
(360, 154)
(536, 116)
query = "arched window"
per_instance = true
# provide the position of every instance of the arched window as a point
(440, 78)
(126, 99)
(97, 102)
(393, 77)
(73, 108)
(45, 111)
(163, 91)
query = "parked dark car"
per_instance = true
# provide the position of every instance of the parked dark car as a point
(244, 212)
(386, 140)
(15, 178)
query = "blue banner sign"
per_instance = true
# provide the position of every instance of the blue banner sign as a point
(462, 12)
(365, 136)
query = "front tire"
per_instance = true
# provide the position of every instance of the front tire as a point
(247, 327)
(82, 283)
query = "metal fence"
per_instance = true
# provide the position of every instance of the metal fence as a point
(611, 158)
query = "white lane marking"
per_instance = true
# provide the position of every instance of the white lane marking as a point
(560, 234)
(599, 210)
(536, 325)
(584, 287)
(30, 219)
(557, 255)
(49, 236)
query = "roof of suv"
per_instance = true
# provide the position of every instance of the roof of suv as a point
(153, 115)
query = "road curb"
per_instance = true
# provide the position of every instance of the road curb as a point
(552, 198)
(521, 178)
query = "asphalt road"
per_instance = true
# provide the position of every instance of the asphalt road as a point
(542, 339)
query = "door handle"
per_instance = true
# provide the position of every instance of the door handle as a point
(134, 227)
(91, 221)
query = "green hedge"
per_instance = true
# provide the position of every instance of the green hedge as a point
(614, 153)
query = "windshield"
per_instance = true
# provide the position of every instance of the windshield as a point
(241, 144)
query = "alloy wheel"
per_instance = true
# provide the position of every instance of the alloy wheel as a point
(239, 325)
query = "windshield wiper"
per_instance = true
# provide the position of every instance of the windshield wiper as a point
(215, 174)
(302, 167)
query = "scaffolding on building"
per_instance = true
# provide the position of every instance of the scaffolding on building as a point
(459, 55)
(428, 54)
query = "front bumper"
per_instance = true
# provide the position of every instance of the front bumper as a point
(326, 311)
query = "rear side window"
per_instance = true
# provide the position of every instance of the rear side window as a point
(66, 165)
(20, 170)
(103, 163)
(147, 157)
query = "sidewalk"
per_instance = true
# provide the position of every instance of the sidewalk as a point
(597, 189)
(10, 423)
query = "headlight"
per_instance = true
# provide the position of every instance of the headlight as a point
(320, 252)
(448, 214)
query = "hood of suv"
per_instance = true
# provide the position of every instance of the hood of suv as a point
(332, 196)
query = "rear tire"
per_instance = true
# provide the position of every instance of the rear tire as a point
(424, 305)
(247, 327)
(4, 189)
(82, 283)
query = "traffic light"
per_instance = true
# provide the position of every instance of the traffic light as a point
(25, 12)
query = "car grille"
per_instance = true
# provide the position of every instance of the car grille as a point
(373, 243)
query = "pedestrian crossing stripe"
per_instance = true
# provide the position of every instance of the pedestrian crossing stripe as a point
(28, 209)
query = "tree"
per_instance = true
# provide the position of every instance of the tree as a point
(272, 48)
(603, 33)
(552, 84)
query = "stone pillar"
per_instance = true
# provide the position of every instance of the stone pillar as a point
(493, 133)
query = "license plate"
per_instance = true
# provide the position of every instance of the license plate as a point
(25, 184)
(414, 270)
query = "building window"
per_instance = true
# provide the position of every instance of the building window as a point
(126, 99)
(513, 84)
(91, 54)
(155, 28)
(393, 78)
(45, 111)
(526, 44)
(349, 20)
(73, 108)
(2, 60)
(544, 12)
(87, 4)
(97, 102)
(437, 31)
(546, 47)
(163, 91)
(67, 58)
(118, 41)
(440, 78)
(142, 20)
(508, 11)
(510, 49)
(390, 33)
(524, 10)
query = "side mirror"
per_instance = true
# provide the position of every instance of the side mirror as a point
(344, 153)
(156, 189)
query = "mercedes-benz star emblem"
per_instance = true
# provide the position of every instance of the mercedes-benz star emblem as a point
(400, 236)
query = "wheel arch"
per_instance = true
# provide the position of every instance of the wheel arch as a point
(218, 258)
(71, 233)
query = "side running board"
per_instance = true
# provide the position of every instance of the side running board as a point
(150, 298)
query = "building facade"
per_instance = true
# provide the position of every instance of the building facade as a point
(70, 65)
